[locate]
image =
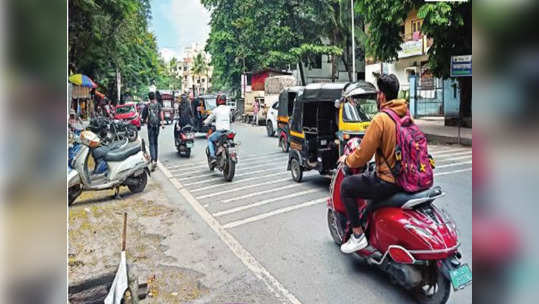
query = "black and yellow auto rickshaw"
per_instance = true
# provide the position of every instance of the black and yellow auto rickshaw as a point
(286, 105)
(325, 116)
(202, 107)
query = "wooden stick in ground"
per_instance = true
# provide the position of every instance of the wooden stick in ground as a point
(124, 232)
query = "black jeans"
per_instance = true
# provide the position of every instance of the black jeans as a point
(365, 186)
(153, 133)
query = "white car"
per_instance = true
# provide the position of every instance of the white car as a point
(271, 119)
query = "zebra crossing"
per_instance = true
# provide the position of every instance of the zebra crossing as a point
(263, 188)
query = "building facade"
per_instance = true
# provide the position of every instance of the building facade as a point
(184, 69)
(417, 83)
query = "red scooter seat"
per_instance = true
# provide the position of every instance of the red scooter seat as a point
(407, 200)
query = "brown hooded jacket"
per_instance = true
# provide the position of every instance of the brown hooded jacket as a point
(382, 135)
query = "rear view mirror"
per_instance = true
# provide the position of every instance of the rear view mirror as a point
(337, 103)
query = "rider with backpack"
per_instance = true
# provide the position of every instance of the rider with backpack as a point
(154, 118)
(402, 160)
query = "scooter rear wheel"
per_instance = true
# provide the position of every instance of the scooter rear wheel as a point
(229, 170)
(436, 292)
(335, 228)
(139, 187)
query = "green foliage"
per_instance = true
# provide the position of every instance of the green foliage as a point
(249, 35)
(448, 24)
(110, 35)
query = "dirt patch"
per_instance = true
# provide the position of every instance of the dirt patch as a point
(95, 223)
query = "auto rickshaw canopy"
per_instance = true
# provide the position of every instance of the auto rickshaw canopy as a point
(286, 103)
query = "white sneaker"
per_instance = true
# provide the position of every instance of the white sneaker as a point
(354, 244)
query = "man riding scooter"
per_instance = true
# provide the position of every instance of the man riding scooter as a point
(221, 114)
(380, 140)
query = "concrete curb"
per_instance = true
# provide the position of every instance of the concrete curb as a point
(442, 139)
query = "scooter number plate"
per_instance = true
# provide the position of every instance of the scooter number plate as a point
(461, 276)
(189, 145)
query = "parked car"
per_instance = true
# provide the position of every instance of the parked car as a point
(271, 119)
(128, 112)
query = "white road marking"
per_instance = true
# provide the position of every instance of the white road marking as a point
(452, 155)
(237, 198)
(237, 181)
(452, 159)
(264, 202)
(453, 172)
(452, 151)
(272, 213)
(198, 168)
(198, 176)
(455, 164)
(244, 187)
(236, 175)
(193, 164)
(245, 256)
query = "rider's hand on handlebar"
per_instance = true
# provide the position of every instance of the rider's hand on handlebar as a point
(342, 159)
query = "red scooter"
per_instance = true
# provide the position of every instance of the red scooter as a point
(410, 239)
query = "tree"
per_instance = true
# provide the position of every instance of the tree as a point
(448, 24)
(106, 36)
(256, 34)
(200, 67)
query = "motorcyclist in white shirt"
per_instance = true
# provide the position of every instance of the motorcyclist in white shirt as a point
(221, 114)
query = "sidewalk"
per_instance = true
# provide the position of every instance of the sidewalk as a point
(434, 129)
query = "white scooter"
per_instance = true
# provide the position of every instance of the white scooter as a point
(126, 166)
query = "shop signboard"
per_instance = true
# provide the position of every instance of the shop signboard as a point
(461, 66)
(411, 48)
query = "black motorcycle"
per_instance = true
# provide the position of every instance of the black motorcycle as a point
(184, 139)
(110, 130)
(225, 154)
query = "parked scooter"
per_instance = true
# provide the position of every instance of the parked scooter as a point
(125, 165)
(225, 154)
(184, 139)
(410, 239)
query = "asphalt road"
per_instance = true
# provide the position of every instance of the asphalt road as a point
(281, 225)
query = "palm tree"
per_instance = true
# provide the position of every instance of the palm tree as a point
(200, 67)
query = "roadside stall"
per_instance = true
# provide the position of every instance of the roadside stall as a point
(81, 97)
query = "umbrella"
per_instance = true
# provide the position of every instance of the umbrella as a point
(82, 80)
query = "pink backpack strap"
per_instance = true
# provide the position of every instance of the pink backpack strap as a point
(393, 116)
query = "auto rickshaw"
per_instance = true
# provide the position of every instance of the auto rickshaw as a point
(324, 117)
(286, 105)
(202, 107)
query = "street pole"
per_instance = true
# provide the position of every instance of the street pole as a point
(353, 43)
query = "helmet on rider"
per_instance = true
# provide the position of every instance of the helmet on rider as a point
(221, 99)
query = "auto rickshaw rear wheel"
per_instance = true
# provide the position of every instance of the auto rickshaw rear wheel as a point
(296, 169)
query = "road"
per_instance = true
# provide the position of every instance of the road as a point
(278, 228)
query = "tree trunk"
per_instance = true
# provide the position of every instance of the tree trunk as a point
(302, 75)
(465, 110)
(347, 67)
(333, 59)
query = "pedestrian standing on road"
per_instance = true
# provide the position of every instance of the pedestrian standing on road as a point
(256, 107)
(154, 118)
